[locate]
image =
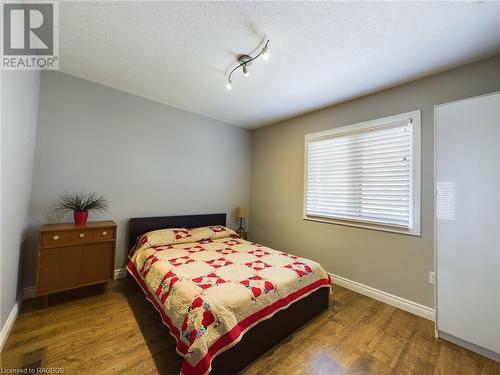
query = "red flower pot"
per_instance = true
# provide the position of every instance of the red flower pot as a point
(81, 217)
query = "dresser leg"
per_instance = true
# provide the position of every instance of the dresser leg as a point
(46, 301)
(104, 288)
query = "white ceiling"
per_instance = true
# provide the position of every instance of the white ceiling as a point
(322, 53)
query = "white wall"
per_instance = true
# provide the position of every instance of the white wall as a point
(394, 263)
(146, 158)
(19, 111)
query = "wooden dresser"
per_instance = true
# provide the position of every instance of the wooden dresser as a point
(71, 256)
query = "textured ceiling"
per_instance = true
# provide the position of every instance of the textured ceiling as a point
(322, 53)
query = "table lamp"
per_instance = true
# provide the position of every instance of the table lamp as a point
(240, 214)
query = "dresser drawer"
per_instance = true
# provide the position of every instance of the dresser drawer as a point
(104, 233)
(81, 236)
(56, 238)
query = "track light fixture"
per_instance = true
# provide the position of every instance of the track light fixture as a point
(246, 73)
(245, 61)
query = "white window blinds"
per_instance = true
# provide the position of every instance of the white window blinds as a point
(363, 173)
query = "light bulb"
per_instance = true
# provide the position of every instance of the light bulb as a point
(265, 54)
(229, 86)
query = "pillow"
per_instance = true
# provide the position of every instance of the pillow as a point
(212, 233)
(162, 237)
(172, 236)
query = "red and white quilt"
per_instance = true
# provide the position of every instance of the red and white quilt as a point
(210, 286)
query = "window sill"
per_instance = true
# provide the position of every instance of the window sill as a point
(377, 227)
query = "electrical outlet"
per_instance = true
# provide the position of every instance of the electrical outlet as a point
(432, 277)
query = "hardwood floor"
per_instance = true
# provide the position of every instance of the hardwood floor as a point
(121, 333)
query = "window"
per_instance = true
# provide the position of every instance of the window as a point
(366, 174)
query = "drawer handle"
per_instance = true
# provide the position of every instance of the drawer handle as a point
(55, 238)
(104, 233)
(82, 235)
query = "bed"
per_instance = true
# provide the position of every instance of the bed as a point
(221, 322)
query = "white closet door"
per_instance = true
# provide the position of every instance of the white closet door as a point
(468, 220)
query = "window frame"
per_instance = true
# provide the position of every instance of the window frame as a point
(415, 173)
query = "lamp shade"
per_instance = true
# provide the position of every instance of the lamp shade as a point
(240, 212)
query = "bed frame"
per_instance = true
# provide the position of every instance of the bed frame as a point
(265, 334)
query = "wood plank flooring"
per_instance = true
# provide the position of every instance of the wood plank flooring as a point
(120, 332)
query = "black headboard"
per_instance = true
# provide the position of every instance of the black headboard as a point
(141, 225)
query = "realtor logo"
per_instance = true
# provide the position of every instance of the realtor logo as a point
(29, 36)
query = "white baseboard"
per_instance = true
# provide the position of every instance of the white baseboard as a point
(120, 273)
(9, 323)
(399, 302)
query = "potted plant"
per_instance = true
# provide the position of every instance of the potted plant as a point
(81, 203)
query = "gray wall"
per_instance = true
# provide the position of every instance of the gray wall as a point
(395, 263)
(19, 109)
(146, 158)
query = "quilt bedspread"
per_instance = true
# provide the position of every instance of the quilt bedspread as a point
(210, 286)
